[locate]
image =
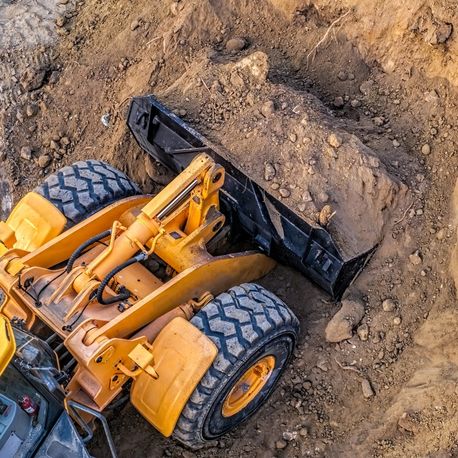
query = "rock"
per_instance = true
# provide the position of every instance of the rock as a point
(307, 197)
(235, 44)
(426, 149)
(60, 21)
(388, 305)
(303, 432)
(182, 112)
(292, 137)
(342, 323)
(289, 435)
(31, 110)
(135, 24)
(363, 332)
(440, 234)
(302, 207)
(368, 392)
(339, 102)
(323, 197)
(275, 186)
(267, 108)
(335, 140)
(54, 145)
(281, 444)
(396, 144)
(378, 121)
(44, 160)
(415, 258)
(325, 215)
(342, 75)
(26, 153)
(269, 171)
(62, 2)
(65, 141)
(322, 364)
(397, 320)
(355, 103)
(285, 193)
(440, 34)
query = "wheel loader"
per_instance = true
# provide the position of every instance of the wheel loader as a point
(108, 295)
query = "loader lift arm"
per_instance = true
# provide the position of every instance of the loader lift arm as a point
(276, 229)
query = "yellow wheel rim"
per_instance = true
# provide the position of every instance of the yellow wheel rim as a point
(248, 386)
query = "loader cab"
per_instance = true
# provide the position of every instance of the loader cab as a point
(33, 422)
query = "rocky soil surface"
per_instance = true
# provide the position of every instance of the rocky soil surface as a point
(347, 112)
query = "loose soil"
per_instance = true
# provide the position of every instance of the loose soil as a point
(348, 105)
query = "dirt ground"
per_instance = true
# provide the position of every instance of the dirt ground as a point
(348, 104)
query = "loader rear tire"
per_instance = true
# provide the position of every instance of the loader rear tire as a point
(255, 333)
(84, 188)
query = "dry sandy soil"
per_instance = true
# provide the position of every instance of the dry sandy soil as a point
(348, 104)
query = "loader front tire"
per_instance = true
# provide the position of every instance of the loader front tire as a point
(255, 333)
(81, 189)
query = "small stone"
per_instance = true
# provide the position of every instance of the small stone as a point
(339, 102)
(267, 108)
(62, 2)
(355, 103)
(135, 24)
(275, 186)
(302, 207)
(307, 197)
(289, 435)
(397, 320)
(26, 153)
(281, 444)
(285, 193)
(44, 160)
(182, 112)
(54, 145)
(60, 21)
(303, 432)
(368, 392)
(378, 121)
(31, 110)
(440, 234)
(65, 141)
(415, 258)
(426, 149)
(322, 364)
(292, 137)
(307, 385)
(269, 171)
(342, 323)
(342, 75)
(388, 305)
(335, 140)
(236, 44)
(325, 215)
(396, 144)
(323, 197)
(363, 332)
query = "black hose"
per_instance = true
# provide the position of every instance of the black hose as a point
(124, 294)
(77, 253)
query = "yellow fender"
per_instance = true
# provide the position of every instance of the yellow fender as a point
(180, 356)
(33, 222)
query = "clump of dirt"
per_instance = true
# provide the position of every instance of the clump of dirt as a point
(361, 94)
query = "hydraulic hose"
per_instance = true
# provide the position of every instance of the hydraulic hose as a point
(79, 251)
(124, 294)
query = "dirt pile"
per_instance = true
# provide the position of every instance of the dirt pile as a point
(339, 104)
(289, 142)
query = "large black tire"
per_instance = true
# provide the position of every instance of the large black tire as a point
(247, 324)
(85, 187)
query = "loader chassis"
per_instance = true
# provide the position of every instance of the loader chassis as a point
(106, 315)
